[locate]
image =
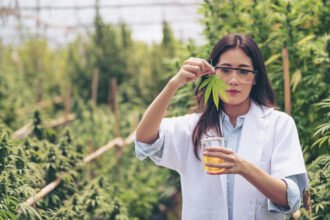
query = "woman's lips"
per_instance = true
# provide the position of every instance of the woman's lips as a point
(232, 92)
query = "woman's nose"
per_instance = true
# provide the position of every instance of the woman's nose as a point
(233, 80)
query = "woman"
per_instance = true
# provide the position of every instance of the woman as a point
(264, 173)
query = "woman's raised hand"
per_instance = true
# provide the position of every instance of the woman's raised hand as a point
(192, 69)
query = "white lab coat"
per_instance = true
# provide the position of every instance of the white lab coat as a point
(269, 139)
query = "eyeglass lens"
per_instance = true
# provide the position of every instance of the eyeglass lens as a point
(227, 73)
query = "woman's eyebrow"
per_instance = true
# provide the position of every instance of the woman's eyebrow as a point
(244, 65)
(225, 64)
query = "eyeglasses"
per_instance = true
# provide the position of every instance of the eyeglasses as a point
(243, 75)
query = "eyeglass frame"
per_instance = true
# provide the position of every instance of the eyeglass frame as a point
(233, 68)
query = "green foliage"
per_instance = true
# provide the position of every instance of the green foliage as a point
(137, 189)
(216, 86)
(323, 130)
(116, 193)
(14, 186)
(5, 152)
(21, 69)
(88, 119)
(149, 69)
(318, 172)
(111, 187)
(169, 43)
(107, 51)
(141, 70)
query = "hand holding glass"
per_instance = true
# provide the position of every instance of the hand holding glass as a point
(213, 142)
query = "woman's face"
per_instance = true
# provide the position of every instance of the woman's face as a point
(239, 80)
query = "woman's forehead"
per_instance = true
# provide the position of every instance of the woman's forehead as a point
(235, 57)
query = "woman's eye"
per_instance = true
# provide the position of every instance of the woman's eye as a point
(225, 70)
(243, 72)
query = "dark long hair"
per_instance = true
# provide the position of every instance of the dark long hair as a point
(262, 92)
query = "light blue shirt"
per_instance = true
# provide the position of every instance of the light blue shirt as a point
(232, 135)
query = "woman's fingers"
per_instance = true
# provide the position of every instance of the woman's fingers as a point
(220, 149)
(223, 168)
(225, 157)
(196, 62)
(223, 171)
(225, 165)
(223, 153)
(232, 163)
(193, 69)
(189, 76)
(208, 66)
(204, 66)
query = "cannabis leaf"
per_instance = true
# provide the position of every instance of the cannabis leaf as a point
(215, 85)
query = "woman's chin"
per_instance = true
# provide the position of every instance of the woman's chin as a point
(235, 101)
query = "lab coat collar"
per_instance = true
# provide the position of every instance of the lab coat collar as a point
(259, 110)
(255, 109)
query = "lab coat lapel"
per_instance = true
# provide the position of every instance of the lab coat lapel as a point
(223, 179)
(250, 148)
(253, 134)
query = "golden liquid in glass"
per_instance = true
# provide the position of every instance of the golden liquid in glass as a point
(214, 160)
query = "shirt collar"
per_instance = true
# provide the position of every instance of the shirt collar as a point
(226, 121)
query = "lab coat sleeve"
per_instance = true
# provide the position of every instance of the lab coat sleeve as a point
(293, 194)
(171, 148)
(154, 151)
(287, 158)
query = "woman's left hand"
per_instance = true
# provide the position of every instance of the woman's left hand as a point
(273, 188)
(233, 164)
